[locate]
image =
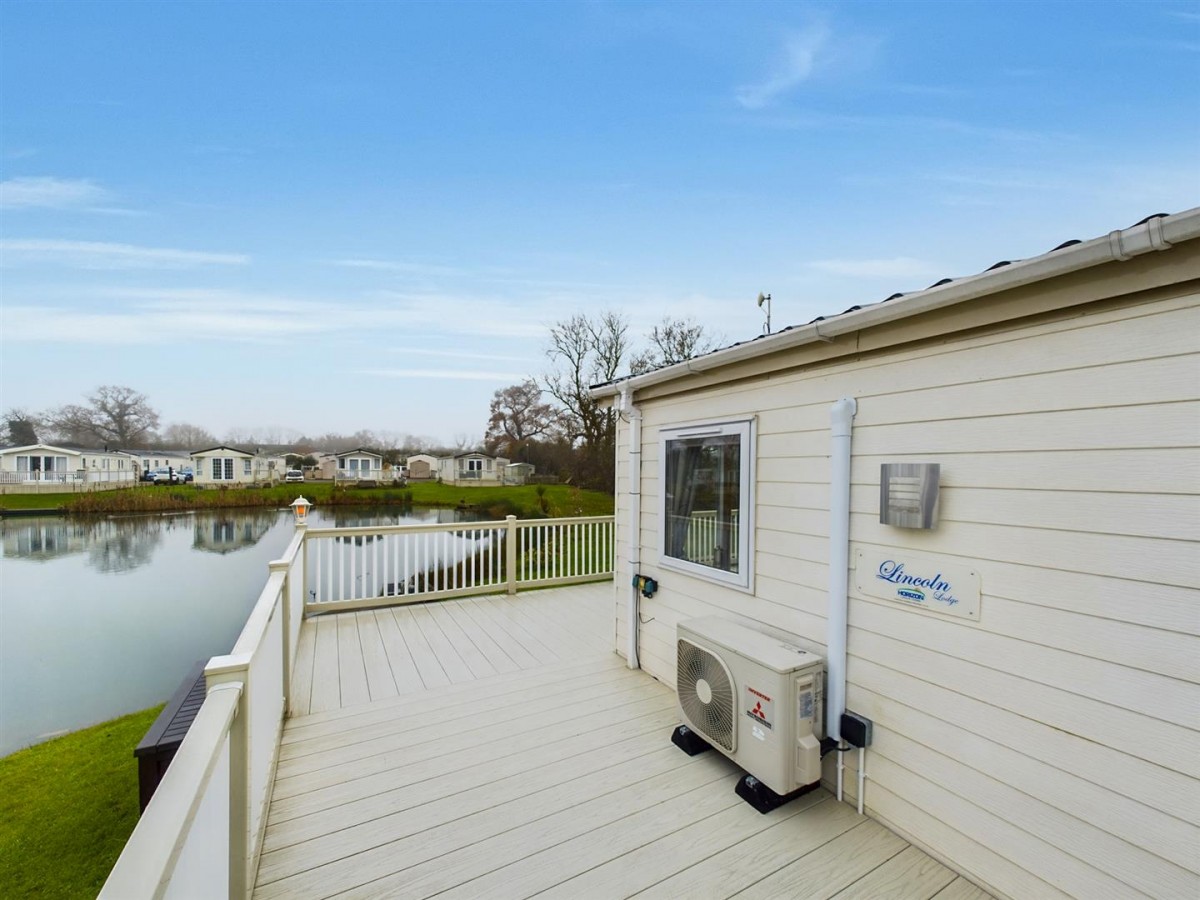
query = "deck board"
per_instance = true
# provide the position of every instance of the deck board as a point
(400, 661)
(380, 683)
(518, 755)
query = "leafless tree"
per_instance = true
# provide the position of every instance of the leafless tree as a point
(116, 416)
(518, 415)
(185, 436)
(672, 341)
(583, 352)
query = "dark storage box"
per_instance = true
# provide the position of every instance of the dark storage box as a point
(158, 747)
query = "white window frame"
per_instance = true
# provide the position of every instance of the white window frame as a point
(746, 430)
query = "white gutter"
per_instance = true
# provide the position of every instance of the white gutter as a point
(1118, 246)
(842, 420)
(635, 522)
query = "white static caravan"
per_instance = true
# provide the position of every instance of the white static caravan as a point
(1028, 653)
(471, 469)
(51, 464)
(359, 465)
(225, 466)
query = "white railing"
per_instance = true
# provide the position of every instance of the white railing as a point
(707, 540)
(355, 568)
(86, 476)
(201, 835)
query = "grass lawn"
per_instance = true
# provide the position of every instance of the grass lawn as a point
(33, 501)
(67, 807)
(557, 500)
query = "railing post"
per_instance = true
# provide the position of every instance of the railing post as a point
(510, 553)
(232, 670)
(285, 604)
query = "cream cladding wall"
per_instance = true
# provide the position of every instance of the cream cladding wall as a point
(1051, 747)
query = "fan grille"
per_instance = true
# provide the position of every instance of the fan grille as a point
(705, 690)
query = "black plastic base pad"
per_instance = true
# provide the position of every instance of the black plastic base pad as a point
(688, 741)
(763, 798)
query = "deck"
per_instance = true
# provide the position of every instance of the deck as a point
(496, 747)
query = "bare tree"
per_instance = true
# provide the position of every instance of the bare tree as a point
(584, 352)
(185, 436)
(466, 443)
(517, 415)
(21, 427)
(672, 341)
(116, 416)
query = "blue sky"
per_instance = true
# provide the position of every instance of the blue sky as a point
(333, 216)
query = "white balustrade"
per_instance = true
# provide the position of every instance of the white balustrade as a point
(201, 835)
(356, 568)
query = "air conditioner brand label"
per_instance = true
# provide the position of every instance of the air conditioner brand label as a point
(760, 707)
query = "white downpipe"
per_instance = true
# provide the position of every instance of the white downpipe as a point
(635, 522)
(842, 416)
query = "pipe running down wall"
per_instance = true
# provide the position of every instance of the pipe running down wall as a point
(842, 420)
(635, 522)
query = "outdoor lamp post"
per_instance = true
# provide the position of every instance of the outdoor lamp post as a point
(300, 508)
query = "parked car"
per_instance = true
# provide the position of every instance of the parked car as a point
(168, 476)
(188, 473)
(294, 475)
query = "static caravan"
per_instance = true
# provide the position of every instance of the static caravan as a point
(49, 464)
(359, 465)
(225, 466)
(471, 469)
(978, 504)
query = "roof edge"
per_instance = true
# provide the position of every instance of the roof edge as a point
(1155, 234)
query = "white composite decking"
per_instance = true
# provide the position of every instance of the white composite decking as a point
(496, 747)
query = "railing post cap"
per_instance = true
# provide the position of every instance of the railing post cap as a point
(278, 564)
(511, 518)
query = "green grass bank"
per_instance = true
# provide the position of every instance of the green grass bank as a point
(524, 501)
(67, 807)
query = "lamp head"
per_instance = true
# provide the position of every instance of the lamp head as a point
(300, 508)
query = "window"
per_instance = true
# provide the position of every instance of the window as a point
(216, 469)
(228, 468)
(246, 466)
(708, 500)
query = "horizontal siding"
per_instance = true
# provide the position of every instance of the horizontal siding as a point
(1050, 746)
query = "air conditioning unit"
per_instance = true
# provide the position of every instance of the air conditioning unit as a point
(757, 699)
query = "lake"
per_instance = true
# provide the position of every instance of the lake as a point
(103, 617)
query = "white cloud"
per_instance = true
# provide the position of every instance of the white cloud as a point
(895, 267)
(446, 374)
(455, 354)
(802, 53)
(50, 193)
(100, 255)
(406, 268)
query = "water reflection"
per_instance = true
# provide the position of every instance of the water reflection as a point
(225, 531)
(122, 545)
(102, 617)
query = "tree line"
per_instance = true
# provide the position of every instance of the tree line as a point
(552, 421)
(547, 419)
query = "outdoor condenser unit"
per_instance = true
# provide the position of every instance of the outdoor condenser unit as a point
(756, 698)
